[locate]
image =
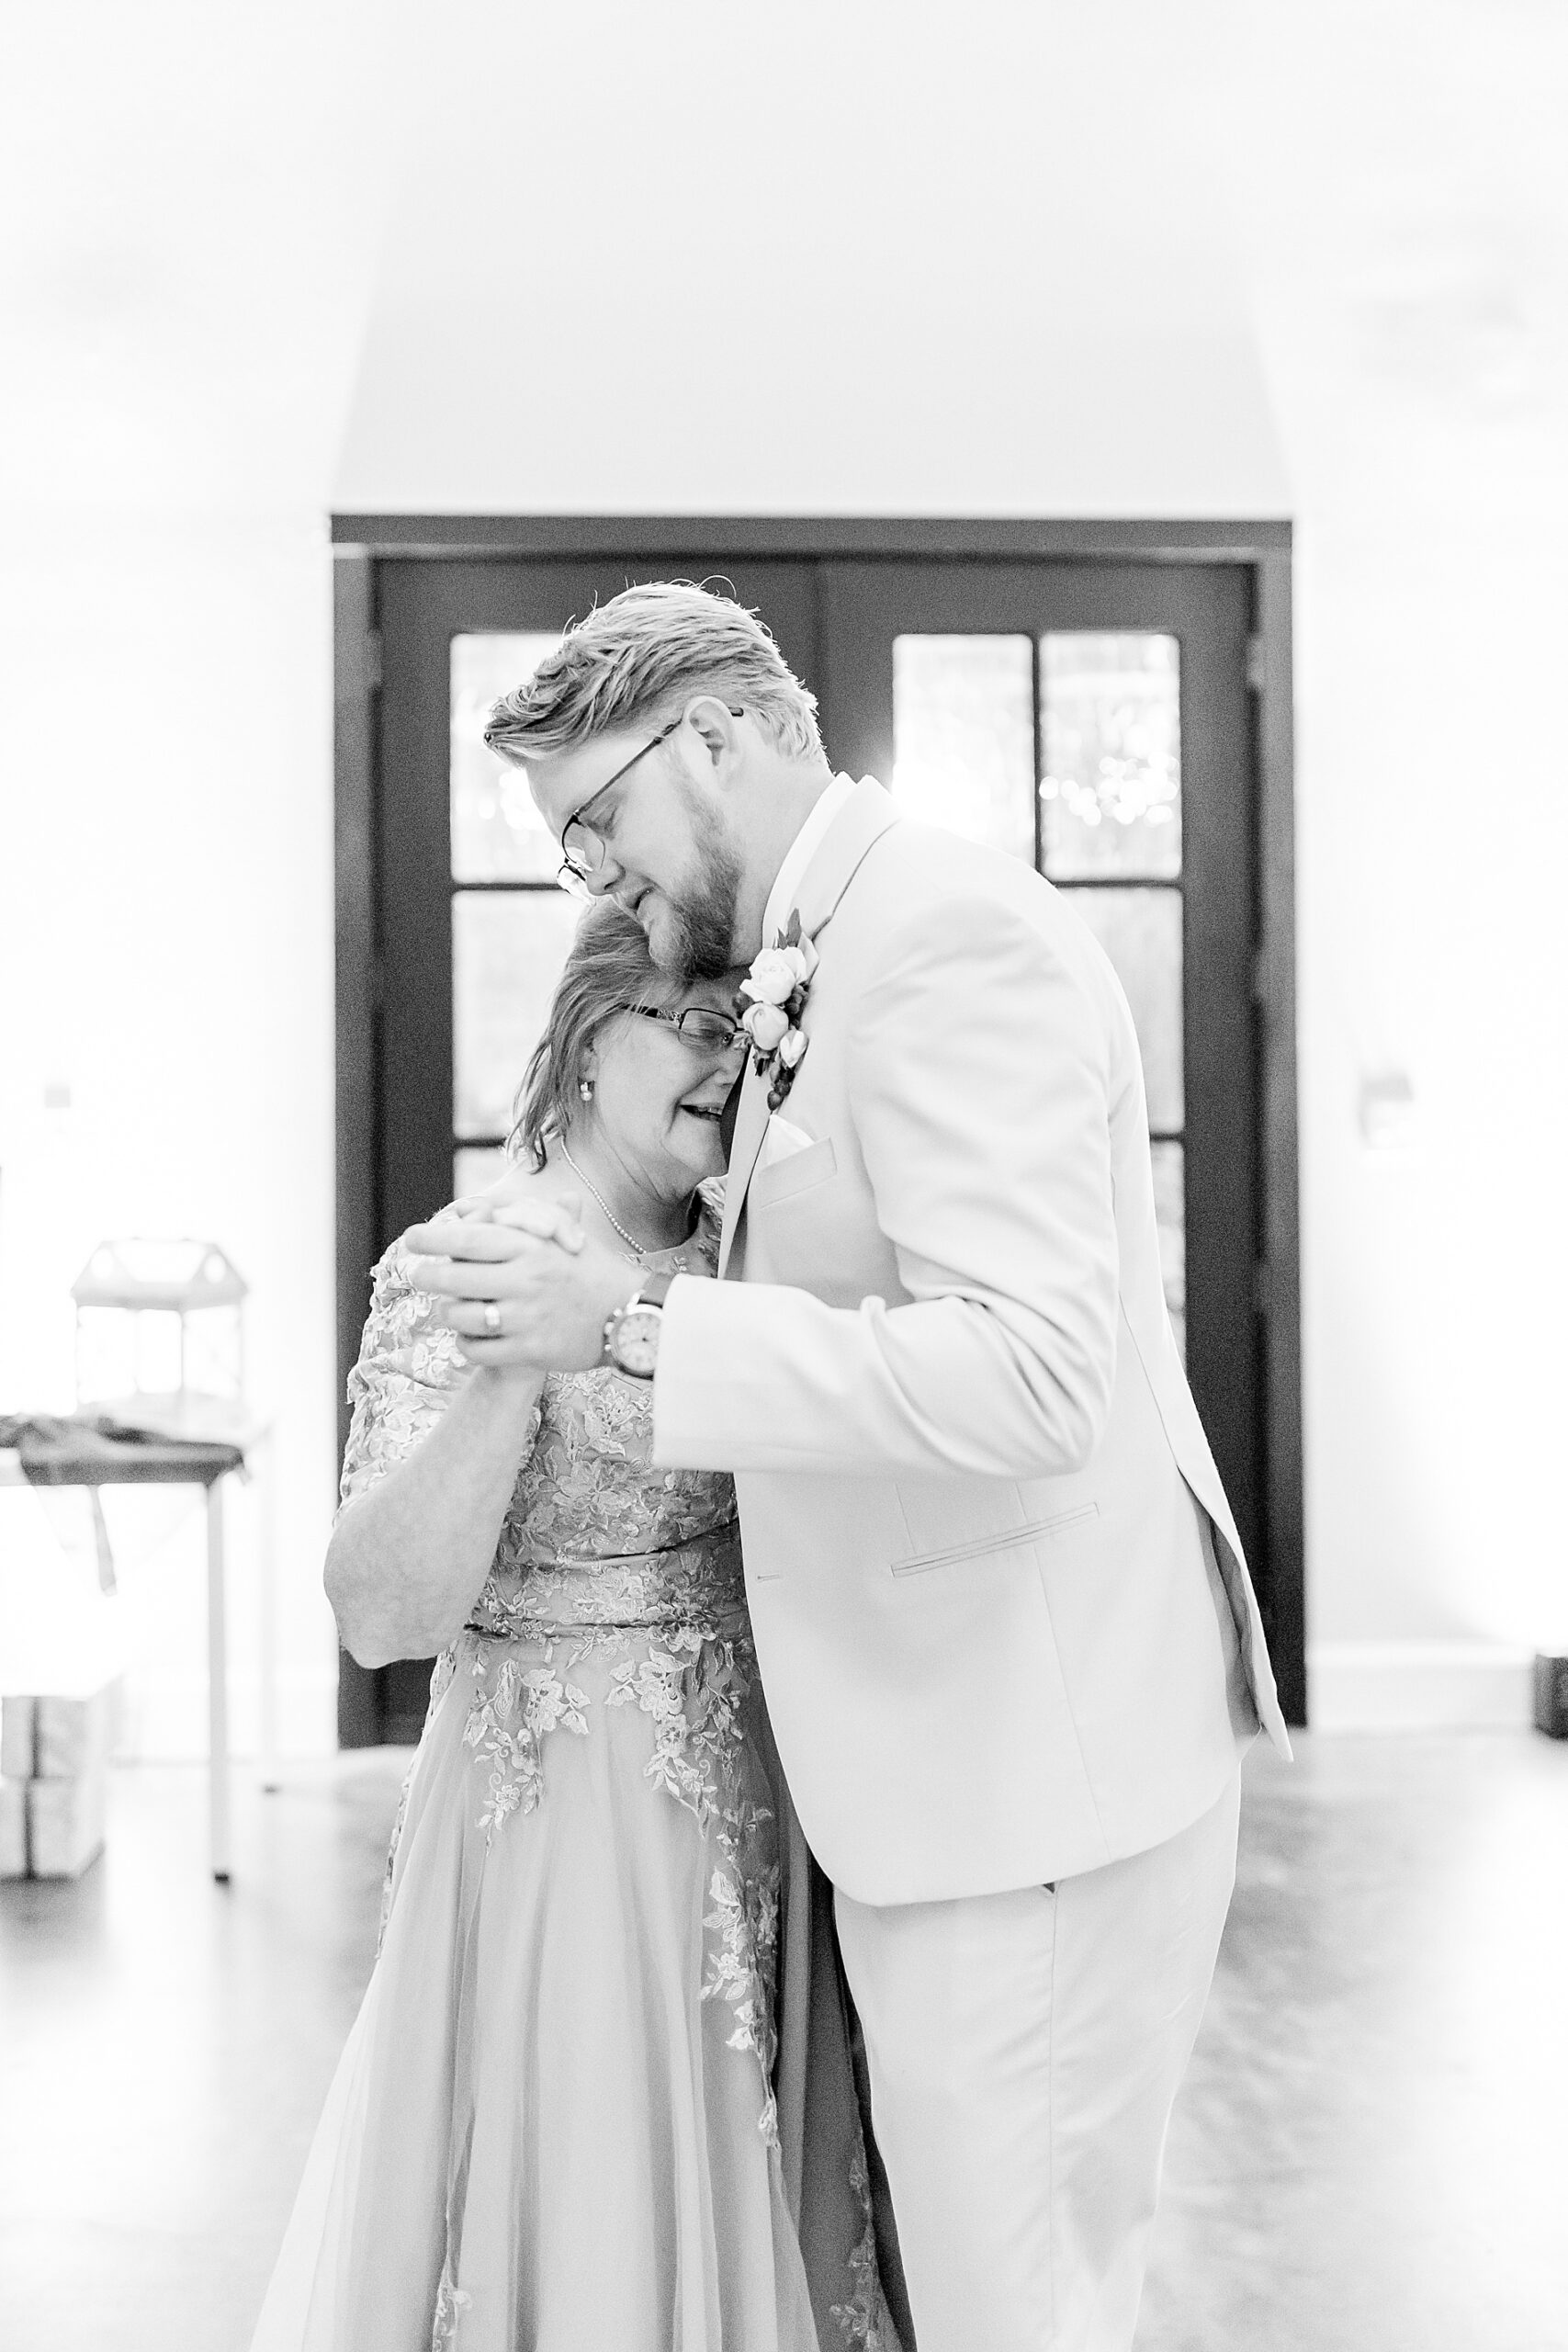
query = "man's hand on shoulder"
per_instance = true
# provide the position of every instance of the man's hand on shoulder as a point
(522, 1284)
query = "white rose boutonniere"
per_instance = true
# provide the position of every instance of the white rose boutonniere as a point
(770, 1005)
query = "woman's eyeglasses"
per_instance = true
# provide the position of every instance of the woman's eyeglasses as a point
(699, 1025)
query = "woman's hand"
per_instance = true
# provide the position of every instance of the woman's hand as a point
(522, 1287)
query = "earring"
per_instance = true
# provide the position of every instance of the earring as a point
(585, 1088)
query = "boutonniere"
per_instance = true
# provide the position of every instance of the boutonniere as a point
(777, 987)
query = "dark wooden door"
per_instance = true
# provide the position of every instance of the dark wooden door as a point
(467, 876)
(1101, 714)
(470, 926)
(1092, 716)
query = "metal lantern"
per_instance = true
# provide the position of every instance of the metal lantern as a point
(159, 1335)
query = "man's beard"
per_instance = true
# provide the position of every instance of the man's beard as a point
(702, 910)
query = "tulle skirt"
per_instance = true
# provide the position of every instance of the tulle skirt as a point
(599, 2095)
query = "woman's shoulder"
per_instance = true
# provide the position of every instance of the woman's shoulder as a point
(402, 1328)
(520, 1181)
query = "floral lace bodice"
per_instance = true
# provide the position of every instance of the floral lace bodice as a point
(596, 1534)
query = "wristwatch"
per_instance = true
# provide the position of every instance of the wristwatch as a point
(631, 1334)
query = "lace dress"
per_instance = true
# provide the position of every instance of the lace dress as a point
(564, 2120)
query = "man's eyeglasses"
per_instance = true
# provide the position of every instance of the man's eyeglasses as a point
(583, 845)
(699, 1025)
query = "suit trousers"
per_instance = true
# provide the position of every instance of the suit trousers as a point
(1025, 2052)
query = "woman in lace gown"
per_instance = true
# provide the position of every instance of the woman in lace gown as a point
(598, 2097)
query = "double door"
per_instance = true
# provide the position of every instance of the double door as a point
(1093, 718)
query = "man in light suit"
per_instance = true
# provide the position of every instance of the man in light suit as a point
(1010, 1648)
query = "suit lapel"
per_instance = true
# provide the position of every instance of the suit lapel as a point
(863, 818)
(730, 1113)
(751, 1127)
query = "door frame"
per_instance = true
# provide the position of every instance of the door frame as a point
(1262, 549)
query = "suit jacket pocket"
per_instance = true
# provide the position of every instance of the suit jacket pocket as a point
(797, 1174)
(1005, 1539)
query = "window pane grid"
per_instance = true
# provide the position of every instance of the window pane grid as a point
(1106, 721)
(1085, 724)
(511, 921)
(1108, 730)
(497, 834)
(507, 952)
(963, 736)
(1090, 882)
(1036, 689)
(477, 1164)
(1109, 808)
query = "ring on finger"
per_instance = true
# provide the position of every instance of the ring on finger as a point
(492, 1318)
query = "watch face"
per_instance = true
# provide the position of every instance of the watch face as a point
(636, 1344)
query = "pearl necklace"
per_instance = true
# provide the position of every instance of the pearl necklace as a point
(636, 1246)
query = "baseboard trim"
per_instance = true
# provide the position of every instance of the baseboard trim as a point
(1419, 1686)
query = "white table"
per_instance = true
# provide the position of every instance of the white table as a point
(166, 1464)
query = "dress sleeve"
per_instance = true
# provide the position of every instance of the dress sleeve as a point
(710, 1221)
(409, 1368)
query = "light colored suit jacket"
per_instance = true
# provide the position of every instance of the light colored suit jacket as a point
(1004, 1623)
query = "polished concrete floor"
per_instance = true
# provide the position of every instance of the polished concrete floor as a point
(1370, 2157)
(1371, 2153)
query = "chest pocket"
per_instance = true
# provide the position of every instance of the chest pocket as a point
(980, 1547)
(797, 1172)
(949, 1519)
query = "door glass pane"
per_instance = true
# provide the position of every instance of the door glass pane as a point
(1141, 932)
(963, 728)
(1170, 1216)
(1110, 754)
(507, 950)
(475, 1167)
(496, 832)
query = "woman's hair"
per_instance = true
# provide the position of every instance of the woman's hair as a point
(607, 967)
(639, 659)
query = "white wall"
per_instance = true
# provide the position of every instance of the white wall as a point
(1408, 232)
(1011, 258)
(198, 204)
(830, 259)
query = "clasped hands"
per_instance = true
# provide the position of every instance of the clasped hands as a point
(548, 1288)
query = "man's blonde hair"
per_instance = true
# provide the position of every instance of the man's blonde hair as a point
(641, 657)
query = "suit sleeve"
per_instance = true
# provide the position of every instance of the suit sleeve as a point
(979, 1082)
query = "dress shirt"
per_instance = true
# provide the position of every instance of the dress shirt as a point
(799, 854)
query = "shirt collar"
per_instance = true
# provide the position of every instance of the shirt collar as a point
(799, 854)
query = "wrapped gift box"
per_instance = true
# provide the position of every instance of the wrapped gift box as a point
(65, 1823)
(1551, 1696)
(73, 1736)
(13, 1829)
(55, 1784)
(16, 1720)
